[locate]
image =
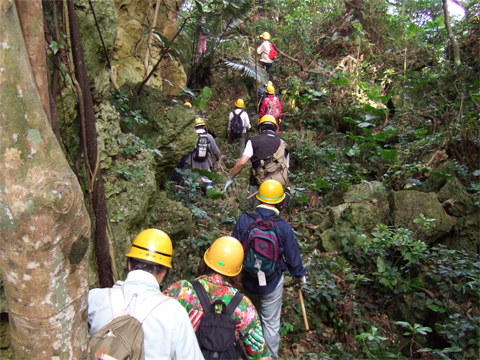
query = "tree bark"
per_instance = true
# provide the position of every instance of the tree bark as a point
(104, 261)
(453, 40)
(44, 227)
(30, 14)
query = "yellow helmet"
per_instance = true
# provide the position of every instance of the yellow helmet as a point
(269, 83)
(152, 245)
(265, 35)
(187, 104)
(225, 256)
(239, 103)
(199, 122)
(271, 192)
(270, 89)
(269, 119)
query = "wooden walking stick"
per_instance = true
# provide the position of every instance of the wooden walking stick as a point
(305, 320)
(251, 196)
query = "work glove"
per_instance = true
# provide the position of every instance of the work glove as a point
(227, 184)
(299, 282)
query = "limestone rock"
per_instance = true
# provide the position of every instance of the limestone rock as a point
(365, 191)
(466, 234)
(406, 206)
(462, 203)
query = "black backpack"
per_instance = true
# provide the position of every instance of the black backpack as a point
(216, 332)
(237, 123)
(201, 151)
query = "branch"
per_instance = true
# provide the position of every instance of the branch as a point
(300, 64)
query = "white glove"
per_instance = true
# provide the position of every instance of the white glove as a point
(227, 184)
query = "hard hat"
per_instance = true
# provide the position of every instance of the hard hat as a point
(265, 35)
(188, 104)
(268, 119)
(152, 245)
(271, 192)
(269, 83)
(225, 256)
(270, 90)
(239, 103)
(199, 122)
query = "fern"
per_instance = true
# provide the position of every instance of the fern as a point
(247, 68)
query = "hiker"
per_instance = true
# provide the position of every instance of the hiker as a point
(200, 157)
(265, 50)
(168, 333)
(263, 288)
(271, 106)
(262, 94)
(218, 275)
(269, 156)
(238, 124)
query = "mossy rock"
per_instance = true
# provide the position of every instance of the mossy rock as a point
(365, 191)
(406, 206)
(456, 198)
(466, 234)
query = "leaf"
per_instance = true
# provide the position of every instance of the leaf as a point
(476, 173)
(403, 323)
(323, 183)
(187, 90)
(365, 124)
(213, 193)
(202, 104)
(199, 213)
(316, 93)
(417, 282)
(206, 93)
(209, 174)
(388, 155)
(381, 264)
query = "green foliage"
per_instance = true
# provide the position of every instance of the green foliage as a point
(130, 172)
(62, 44)
(129, 116)
(201, 100)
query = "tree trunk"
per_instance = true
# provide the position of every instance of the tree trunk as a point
(30, 14)
(44, 227)
(453, 40)
(104, 261)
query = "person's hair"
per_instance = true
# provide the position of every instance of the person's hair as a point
(147, 266)
(267, 126)
(200, 127)
(235, 281)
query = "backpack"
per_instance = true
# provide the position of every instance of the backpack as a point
(273, 53)
(261, 248)
(201, 151)
(122, 338)
(236, 126)
(273, 168)
(272, 107)
(216, 332)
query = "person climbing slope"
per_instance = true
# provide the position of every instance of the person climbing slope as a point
(271, 106)
(200, 157)
(217, 276)
(268, 53)
(238, 124)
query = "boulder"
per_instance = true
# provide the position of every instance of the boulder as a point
(170, 129)
(365, 191)
(457, 202)
(466, 234)
(406, 206)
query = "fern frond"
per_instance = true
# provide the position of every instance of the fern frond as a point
(247, 68)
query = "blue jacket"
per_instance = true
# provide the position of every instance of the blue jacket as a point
(290, 257)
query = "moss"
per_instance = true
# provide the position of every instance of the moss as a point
(78, 250)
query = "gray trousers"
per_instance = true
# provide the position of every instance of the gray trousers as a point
(269, 308)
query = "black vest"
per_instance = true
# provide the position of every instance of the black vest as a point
(264, 145)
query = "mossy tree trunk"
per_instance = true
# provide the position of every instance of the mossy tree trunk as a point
(44, 227)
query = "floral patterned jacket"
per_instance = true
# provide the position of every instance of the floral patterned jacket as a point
(249, 328)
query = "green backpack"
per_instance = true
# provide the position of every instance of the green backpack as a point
(122, 338)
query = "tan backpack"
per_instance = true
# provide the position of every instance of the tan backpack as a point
(274, 167)
(122, 338)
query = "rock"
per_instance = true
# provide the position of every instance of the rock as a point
(438, 178)
(218, 120)
(95, 58)
(406, 206)
(466, 234)
(174, 78)
(108, 130)
(462, 201)
(365, 191)
(170, 129)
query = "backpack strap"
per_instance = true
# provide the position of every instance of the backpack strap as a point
(252, 214)
(202, 296)
(232, 305)
(117, 301)
(148, 305)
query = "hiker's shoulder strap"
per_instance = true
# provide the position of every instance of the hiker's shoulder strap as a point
(232, 305)
(117, 301)
(252, 214)
(148, 305)
(202, 296)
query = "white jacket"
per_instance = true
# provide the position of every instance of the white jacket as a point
(244, 117)
(264, 50)
(168, 332)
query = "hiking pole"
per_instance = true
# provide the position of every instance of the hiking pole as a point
(305, 320)
(221, 167)
(251, 196)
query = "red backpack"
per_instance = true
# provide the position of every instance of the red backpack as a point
(272, 107)
(273, 53)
